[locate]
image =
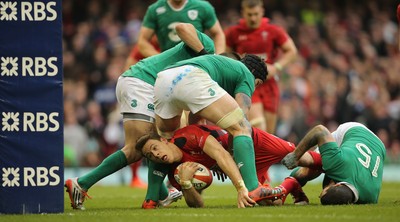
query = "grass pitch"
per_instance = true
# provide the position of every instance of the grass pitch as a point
(123, 204)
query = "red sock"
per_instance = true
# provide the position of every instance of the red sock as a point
(290, 184)
(317, 160)
(134, 167)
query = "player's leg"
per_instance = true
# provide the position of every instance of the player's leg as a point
(270, 119)
(167, 127)
(78, 187)
(116, 161)
(157, 192)
(270, 95)
(168, 89)
(138, 121)
(225, 112)
(136, 181)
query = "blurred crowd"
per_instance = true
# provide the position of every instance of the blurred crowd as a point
(348, 69)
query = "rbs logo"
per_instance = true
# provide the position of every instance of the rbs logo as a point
(29, 11)
(36, 66)
(35, 177)
(31, 122)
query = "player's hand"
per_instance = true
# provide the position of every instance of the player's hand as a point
(187, 171)
(290, 161)
(216, 171)
(243, 198)
(272, 71)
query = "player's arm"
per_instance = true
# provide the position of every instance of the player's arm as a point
(289, 54)
(131, 60)
(244, 102)
(318, 135)
(188, 34)
(144, 42)
(225, 161)
(229, 46)
(192, 196)
(218, 36)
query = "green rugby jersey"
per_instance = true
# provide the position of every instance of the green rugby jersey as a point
(230, 74)
(358, 161)
(148, 68)
(162, 19)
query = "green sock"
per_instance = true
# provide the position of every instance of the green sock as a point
(110, 165)
(163, 192)
(243, 153)
(156, 189)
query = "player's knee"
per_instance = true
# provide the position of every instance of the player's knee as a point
(230, 119)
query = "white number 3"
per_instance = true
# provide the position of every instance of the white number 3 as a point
(366, 152)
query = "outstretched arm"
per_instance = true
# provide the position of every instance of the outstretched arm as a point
(188, 34)
(289, 54)
(144, 42)
(218, 36)
(318, 135)
(225, 161)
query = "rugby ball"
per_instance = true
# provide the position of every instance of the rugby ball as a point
(202, 178)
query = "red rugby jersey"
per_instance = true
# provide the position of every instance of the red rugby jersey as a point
(263, 41)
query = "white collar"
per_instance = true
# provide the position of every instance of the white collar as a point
(177, 9)
(353, 189)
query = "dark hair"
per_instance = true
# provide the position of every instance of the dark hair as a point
(232, 55)
(338, 195)
(256, 65)
(252, 3)
(143, 140)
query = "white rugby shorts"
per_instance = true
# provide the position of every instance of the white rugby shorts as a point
(184, 88)
(136, 99)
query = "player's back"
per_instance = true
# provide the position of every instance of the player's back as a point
(366, 154)
(232, 75)
(148, 68)
(358, 161)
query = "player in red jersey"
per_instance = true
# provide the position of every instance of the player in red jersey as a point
(254, 34)
(208, 145)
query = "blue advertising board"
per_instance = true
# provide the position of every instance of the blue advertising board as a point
(31, 107)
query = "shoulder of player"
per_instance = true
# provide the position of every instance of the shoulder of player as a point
(158, 4)
(271, 27)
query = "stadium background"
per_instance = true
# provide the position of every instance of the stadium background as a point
(348, 70)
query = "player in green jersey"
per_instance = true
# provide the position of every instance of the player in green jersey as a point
(162, 16)
(352, 158)
(135, 89)
(218, 89)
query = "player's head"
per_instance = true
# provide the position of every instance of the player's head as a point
(155, 148)
(252, 12)
(256, 65)
(336, 194)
